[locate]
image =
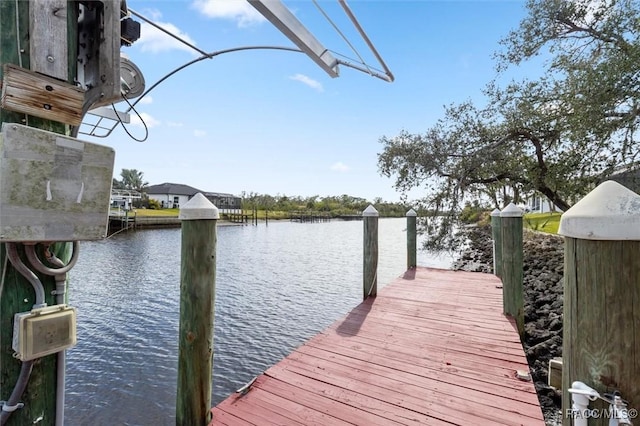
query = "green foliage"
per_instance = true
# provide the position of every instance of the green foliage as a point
(343, 205)
(472, 212)
(544, 222)
(556, 135)
(153, 204)
(132, 179)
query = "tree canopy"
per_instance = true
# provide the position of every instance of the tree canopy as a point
(132, 179)
(558, 134)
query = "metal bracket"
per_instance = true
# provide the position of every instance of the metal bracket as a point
(11, 408)
(246, 388)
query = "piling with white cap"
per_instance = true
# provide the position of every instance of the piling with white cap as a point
(412, 239)
(197, 297)
(601, 319)
(370, 255)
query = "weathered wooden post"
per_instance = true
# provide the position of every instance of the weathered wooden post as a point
(601, 326)
(197, 295)
(412, 240)
(496, 233)
(35, 37)
(512, 257)
(370, 273)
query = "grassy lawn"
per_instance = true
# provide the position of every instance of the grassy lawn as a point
(545, 222)
(158, 213)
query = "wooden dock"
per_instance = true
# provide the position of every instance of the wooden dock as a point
(432, 348)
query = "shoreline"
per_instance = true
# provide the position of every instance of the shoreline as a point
(543, 303)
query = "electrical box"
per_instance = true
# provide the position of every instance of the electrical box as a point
(43, 331)
(52, 187)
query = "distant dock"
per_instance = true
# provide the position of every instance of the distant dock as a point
(432, 348)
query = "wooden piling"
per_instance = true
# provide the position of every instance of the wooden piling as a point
(412, 240)
(496, 232)
(370, 269)
(512, 258)
(197, 296)
(601, 295)
(26, 42)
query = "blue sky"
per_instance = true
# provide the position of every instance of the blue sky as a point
(274, 122)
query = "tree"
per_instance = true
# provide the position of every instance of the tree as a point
(133, 179)
(557, 135)
(116, 184)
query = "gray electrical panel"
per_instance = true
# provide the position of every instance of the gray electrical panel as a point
(52, 187)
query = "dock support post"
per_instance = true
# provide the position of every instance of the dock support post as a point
(496, 233)
(370, 273)
(601, 295)
(197, 295)
(412, 240)
(24, 33)
(512, 268)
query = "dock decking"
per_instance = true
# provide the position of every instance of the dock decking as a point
(432, 348)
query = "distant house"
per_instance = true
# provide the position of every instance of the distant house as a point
(174, 195)
(538, 203)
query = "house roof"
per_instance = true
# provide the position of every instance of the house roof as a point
(172, 189)
(180, 189)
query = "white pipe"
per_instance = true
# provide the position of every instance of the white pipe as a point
(61, 285)
(581, 395)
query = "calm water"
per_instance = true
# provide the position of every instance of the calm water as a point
(276, 286)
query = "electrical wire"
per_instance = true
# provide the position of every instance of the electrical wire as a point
(38, 288)
(131, 107)
(181, 67)
(18, 35)
(21, 384)
(169, 33)
(4, 273)
(35, 261)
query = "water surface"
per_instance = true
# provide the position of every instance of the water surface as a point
(276, 286)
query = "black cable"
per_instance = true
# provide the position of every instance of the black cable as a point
(146, 129)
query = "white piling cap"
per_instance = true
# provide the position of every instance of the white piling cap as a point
(511, 211)
(609, 212)
(412, 213)
(495, 213)
(370, 212)
(198, 207)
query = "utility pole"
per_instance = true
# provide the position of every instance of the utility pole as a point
(17, 23)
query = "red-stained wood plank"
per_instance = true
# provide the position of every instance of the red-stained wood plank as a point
(470, 378)
(432, 348)
(225, 419)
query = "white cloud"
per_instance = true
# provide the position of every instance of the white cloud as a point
(340, 167)
(147, 100)
(174, 124)
(148, 120)
(308, 81)
(155, 41)
(199, 133)
(236, 10)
